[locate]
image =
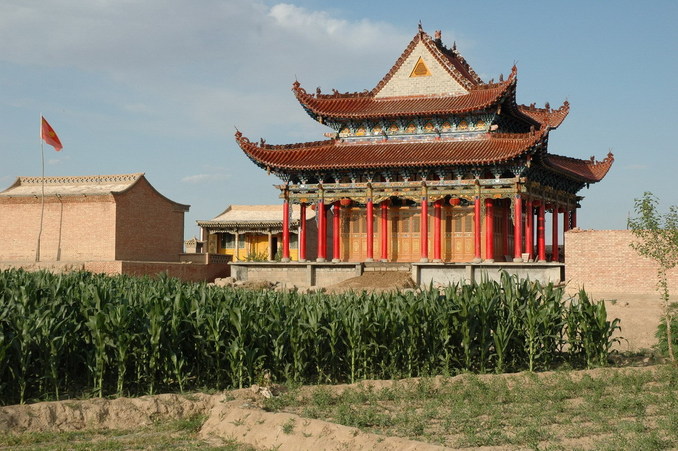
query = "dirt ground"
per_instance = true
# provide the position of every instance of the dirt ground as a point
(235, 416)
(375, 281)
(238, 415)
(639, 316)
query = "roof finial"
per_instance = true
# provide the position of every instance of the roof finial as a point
(438, 35)
(421, 30)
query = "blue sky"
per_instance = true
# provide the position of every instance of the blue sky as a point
(158, 86)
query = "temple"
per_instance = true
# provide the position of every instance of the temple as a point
(432, 165)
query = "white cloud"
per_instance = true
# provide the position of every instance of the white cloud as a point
(316, 25)
(198, 67)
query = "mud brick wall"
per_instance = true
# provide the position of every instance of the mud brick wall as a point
(603, 261)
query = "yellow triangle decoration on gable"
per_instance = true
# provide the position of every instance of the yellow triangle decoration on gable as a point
(420, 69)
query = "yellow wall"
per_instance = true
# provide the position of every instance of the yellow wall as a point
(255, 247)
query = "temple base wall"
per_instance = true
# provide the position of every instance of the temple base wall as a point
(424, 274)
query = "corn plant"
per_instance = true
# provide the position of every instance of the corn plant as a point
(83, 333)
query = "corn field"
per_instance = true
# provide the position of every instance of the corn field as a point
(81, 334)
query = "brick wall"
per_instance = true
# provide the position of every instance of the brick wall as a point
(603, 261)
(149, 227)
(74, 228)
(188, 272)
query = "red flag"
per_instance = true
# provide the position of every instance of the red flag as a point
(49, 136)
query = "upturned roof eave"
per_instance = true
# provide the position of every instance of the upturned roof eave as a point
(255, 153)
(325, 106)
(596, 170)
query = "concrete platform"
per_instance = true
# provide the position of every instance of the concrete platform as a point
(314, 274)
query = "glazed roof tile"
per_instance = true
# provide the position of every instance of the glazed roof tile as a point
(546, 116)
(589, 171)
(362, 106)
(334, 154)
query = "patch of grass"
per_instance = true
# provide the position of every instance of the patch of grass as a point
(288, 426)
(178, 435)
(525, 410)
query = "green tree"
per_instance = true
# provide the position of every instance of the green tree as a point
(657, 236)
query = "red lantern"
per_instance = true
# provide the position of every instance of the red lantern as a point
(454, 201)
(536, 203)
(313, 207)
(345, 202)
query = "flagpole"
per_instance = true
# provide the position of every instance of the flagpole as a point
(42, 197)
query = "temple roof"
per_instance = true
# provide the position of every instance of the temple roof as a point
(454, 89)
(427, 80)
(335, 154)
(360, 106)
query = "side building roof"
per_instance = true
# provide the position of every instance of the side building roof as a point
(90, 185)
(253, 216)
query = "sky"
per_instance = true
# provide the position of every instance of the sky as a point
(159, 86)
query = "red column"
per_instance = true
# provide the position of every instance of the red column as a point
(529, 228)
(322, 231)
(489, 230)
(384, 230)
(518, 229)
(370, 230)
(302, 232)
(554, 237)
(286, 232)
(437, 207)
(505, 228)
(476, 228)
(336, 232)
(541, 232)
(423, 230)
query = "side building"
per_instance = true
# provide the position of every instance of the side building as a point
(254, 232)
(89, 218)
